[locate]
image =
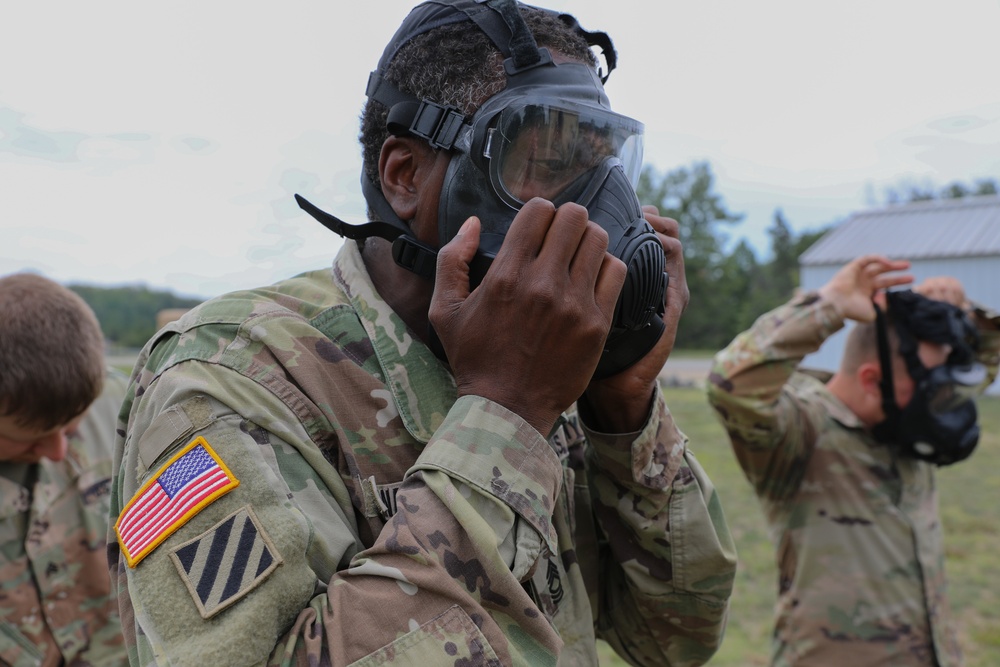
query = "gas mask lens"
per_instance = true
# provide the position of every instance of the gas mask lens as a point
(953, 385)
(538, 150)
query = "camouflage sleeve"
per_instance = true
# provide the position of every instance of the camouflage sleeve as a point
(770, 428)
(268, 573)
(669, 561)
(988, 323)
(434, 589)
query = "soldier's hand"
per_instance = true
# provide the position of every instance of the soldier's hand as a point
(529, 337)
(852, 288)
(621, 402)
(944, 288)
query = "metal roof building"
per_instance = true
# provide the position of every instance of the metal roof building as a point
(957, 237)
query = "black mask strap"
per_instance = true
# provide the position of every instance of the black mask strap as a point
(889, 406)
(407, 251)
(595, 38)
(505, 19)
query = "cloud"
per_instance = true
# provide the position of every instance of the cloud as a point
(21, 140)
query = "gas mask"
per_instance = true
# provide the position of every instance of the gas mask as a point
(939, 424)
(550, 133)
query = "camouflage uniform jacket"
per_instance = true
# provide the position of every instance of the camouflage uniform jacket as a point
(367, 515)
(56, 606)
(860, 553)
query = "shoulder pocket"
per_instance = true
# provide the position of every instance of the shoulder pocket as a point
(170, 426)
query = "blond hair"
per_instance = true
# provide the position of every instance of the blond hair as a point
(862, 345)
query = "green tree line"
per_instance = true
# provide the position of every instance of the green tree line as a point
(128, 314)
(730, 287)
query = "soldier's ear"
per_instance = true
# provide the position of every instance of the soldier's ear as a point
(869, 385)
(869, 376)
(398, 166)
(412, 174)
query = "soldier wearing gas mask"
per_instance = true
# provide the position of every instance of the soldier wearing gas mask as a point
(450, 447)
(549, 133)
(844, 465)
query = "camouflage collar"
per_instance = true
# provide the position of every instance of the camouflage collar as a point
(422, 387)
(812, 382)
(15, 497)
(842, 413)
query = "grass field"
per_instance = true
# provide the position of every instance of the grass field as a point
(970, 511)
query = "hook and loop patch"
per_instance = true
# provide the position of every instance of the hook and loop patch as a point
(186, 484)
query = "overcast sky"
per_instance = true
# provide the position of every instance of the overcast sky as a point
(162, 143)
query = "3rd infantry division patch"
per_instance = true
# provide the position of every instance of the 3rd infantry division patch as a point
(226, 562)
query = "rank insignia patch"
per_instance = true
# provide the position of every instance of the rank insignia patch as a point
(185, 485)
(225, 563)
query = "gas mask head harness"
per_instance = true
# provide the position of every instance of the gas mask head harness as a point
(550, 133)
(939, 424)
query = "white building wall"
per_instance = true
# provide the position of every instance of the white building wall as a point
(979, 275)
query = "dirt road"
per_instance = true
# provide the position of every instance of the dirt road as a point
(685, 372)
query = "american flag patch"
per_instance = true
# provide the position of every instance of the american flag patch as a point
(185, 485)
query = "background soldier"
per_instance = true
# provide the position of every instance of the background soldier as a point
(55, 478)
(844, 466)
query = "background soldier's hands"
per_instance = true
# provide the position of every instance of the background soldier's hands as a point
(851, 289)
(944, 288)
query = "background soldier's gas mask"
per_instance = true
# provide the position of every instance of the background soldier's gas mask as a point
(550, 133)
(939, 424)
